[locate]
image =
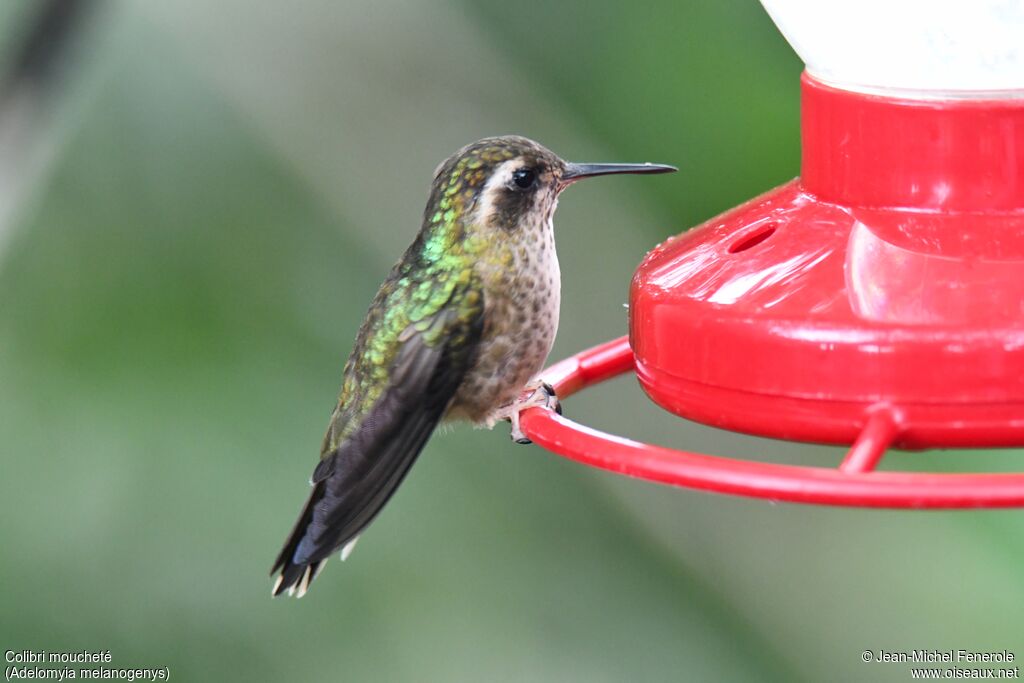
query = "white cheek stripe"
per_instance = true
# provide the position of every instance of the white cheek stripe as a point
(501, 177)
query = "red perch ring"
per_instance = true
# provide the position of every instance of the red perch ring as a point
(852, 484)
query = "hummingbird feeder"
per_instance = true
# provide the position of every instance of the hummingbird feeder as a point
(877, 300)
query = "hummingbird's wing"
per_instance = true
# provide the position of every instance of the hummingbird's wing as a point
(353, 481)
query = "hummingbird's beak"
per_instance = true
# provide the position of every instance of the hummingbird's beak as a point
(574, 172)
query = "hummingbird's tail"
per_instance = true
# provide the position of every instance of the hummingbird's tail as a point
(297, 577)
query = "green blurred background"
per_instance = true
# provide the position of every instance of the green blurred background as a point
(195, 209)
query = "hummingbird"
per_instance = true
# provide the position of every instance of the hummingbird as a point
(458, 330)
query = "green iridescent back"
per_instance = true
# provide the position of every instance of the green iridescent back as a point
(436, 273)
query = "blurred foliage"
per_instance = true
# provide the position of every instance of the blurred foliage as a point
(220, 187)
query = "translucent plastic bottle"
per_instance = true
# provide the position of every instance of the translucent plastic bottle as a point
(909, 48)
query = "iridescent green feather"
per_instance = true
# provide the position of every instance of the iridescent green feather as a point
(435, 273)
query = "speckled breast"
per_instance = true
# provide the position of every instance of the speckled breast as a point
(521, 318)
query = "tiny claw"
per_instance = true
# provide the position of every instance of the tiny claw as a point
(553, 403)
(516, 434)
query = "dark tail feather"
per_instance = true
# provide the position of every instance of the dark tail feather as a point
(297, 576)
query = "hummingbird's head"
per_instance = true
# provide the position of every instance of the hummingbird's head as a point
(510, 182)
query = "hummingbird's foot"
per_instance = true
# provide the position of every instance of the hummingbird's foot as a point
(538, 394)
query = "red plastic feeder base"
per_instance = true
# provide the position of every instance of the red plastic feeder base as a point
(877, 300)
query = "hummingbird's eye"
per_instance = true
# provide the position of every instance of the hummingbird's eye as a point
(524, 178)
